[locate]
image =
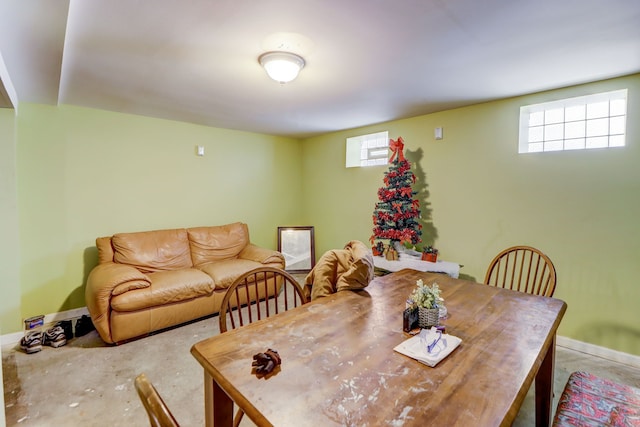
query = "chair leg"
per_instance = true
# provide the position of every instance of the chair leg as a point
(238, 418)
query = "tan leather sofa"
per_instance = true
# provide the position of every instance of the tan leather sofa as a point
(151, 280)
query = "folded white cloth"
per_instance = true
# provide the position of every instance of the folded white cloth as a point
(407, 261)
(417, 347)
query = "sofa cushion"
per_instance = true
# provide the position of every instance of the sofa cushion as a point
(217, 243)
(151, 251)
(589, 400)
(167, 287)
(225, 272)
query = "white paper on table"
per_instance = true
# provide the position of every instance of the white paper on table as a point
(416, 348)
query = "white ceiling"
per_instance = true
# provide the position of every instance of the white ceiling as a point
(368, 61)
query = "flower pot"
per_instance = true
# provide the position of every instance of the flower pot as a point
(431, 257)
(428, 317)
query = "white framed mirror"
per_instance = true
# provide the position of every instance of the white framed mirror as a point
(297, 244)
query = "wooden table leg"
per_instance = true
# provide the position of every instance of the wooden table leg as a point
(218, 407)
(544, 387)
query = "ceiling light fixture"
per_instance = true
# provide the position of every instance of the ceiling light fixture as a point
(282, 67)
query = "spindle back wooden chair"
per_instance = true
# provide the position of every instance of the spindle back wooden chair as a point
(258, 294)
(524, 269)
(157, 410)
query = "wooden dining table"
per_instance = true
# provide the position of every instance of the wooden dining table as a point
(339, 367)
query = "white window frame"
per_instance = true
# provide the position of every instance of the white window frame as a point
(580, 123)
(368, 150)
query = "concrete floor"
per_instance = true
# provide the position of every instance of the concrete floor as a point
(87, 383)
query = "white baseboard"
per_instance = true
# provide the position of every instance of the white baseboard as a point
(596, 350)
(49, 319)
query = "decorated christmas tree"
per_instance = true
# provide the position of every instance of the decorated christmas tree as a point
(396, 215)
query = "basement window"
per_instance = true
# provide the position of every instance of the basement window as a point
(368, 150)
(582, 123)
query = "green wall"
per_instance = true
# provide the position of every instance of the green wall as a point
(580, 207)
(9, 259)
(86, 173)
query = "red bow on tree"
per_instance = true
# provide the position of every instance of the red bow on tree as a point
(396, 147)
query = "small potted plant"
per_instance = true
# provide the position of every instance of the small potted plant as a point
(428, 301)
(430, 253)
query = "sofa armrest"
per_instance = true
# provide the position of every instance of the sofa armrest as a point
(262, 255)
(105, 280)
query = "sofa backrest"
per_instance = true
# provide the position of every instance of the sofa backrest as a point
(151, 251)
(174, 249)
(218, 242)
(105, 250)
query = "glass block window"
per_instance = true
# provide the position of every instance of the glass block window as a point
(368, 150)
(585, 122)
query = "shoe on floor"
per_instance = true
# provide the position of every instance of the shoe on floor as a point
(84, 325)
(32, 342)
(55, 337)
(67, 326)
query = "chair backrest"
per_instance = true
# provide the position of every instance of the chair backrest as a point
(524, 269)
(258, 294)
(158, 412)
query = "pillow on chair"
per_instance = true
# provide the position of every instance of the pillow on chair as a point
(350, 268)
(360, 272)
